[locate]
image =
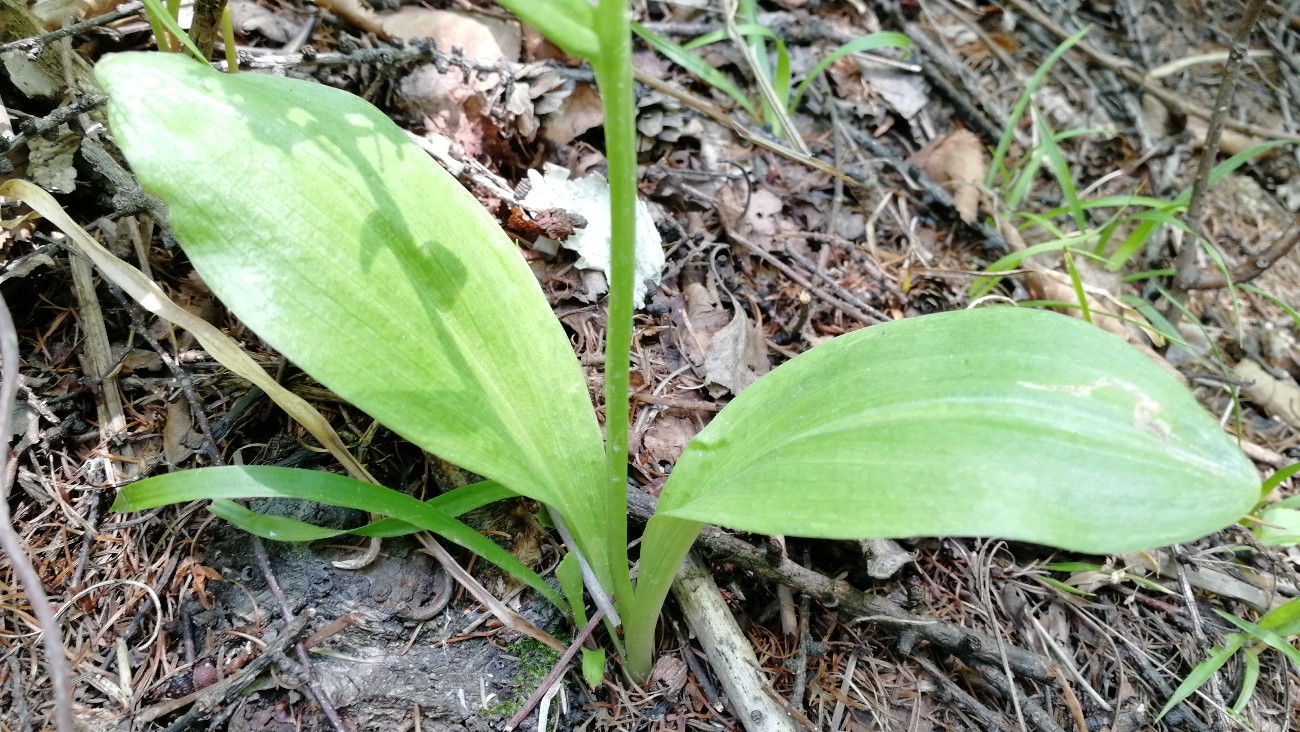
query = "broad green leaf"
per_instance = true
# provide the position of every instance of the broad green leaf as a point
(262, 481)
(1280, 526)
(1004, 422)
(335, 238)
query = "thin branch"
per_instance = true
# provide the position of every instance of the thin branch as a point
(1186, 273)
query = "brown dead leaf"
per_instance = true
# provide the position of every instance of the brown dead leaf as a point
(579, 112)
(357, 14)
(666, 437)
(726, 351)
(456, 104)
(1100, 288)
(176, 432)
(957, 161)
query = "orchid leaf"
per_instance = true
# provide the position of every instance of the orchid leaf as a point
(1004, 422)
(336, 239)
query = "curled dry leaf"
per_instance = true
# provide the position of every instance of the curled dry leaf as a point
(1278, 398)
(729, 353)
(957, 161)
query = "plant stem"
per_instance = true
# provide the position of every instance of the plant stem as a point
(1185, 263)
(613, 69)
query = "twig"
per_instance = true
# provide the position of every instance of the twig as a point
(508, 617)
(1198, 631)
(37, 127)
(844, 294)
(204, 28)
(1038, 718)
(850, 602)
(317, 693)
(1185, 269)
(178, 373)
(993, 719)
(12, 544)
(555, 673)
(785, 269)
(204, 701)
(730, 653)
(1131, 75)
(33, 44)
(1252, 267)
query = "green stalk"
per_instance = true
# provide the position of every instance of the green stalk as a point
(613, 69)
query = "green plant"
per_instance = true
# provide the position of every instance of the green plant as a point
(779, 78)
(326, 231)
(1273, 630)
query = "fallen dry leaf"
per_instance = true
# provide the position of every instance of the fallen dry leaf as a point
(728, 352)
(1111, 314)
(578, 112)
(176, 432)
(957, 161)
(666, 437)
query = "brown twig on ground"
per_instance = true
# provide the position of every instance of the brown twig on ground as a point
(1185, 269)
(785, 269)
(12, 544)
(994, 720)
(32, 45)
(204, 29)
(508, 617)
(314, 689)
(205, 700)
(852, 603)
(1253, 267)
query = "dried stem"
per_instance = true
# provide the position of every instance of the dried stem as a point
(1186, 274)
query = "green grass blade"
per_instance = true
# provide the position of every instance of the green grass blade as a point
(1059, 585)
(1286, 308)
(857, 45)
(1284, 619)
(1249, 679)
(1022, 103)
(1264, 635)
(159, 16)
(695, 66)
(1085, 311)
(1276, 479)
(1060, 168)
(1203, 671)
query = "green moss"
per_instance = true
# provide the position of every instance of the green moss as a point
(535, 662)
